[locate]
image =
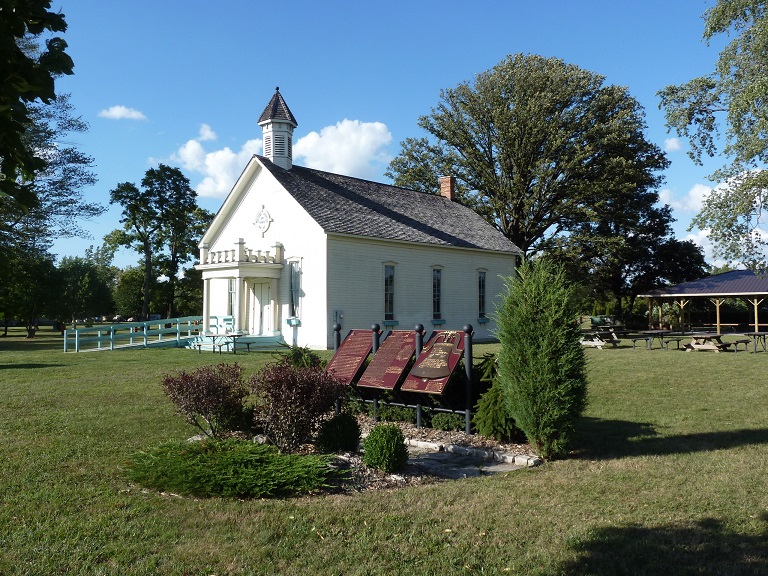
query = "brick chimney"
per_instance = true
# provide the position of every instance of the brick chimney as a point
(448, 187)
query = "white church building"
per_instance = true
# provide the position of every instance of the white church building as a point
(294, 250)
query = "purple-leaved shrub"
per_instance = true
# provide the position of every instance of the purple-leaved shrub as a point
(210, 398)
(291, 401)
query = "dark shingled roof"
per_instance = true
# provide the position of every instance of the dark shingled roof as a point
(346, 205)
(277, 109)
(734, 283)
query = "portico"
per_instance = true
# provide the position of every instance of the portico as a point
(251, 278)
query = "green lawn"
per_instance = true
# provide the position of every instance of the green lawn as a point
(668, 477)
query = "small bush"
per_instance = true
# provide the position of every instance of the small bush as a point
(448, 422)
(230, 468)
(492, 417)
(210, 398)
(301, 357)
(352, 403)
(389, 413)
(291, 401)
(339, 434)
(384, 448)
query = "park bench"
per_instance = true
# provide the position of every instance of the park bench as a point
(745, 341)
(636, 339)
(667, 341)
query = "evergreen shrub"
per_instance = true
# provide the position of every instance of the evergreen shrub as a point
(231, 468)
(447, 421)
(301, 357)
(384, 448)
(542, 367)
(339, 434)
(388, 413)
(492, 418)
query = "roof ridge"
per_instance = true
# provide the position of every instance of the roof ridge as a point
(368, 180)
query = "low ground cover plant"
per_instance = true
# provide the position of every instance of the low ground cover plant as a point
(447, 421)
(231, 468)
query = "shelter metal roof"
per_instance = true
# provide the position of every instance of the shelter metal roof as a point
(736, 283)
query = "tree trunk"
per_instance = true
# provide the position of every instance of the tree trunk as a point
(147, 278)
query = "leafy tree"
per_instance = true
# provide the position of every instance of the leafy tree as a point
(628, 249)
(542, 368)
(535, 144)
(25, 80)
(189, 293)
(161, 221)
(86, 286)
(129, 292)
(733, 96)
(32, 290)
(58, 186)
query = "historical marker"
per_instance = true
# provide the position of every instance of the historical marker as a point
(390, 361)
(349, 358)
(436, 363)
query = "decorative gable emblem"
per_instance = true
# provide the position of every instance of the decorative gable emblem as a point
(263, 220)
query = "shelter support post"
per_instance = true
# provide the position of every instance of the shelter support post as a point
(682, 303)
(755, 302)
(717, 302)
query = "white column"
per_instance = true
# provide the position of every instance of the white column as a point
(238, 301)
(274, 307)
(207, 305)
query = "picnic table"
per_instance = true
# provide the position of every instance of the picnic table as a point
(233, 337)
(600, 338)
(225, 339)
(758, 338)
(651, 334)
(707, 341)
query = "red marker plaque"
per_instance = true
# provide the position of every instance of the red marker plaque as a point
(436, 363)
(348, 359)
(390, 361)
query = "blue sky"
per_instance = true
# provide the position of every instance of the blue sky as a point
(184, 83)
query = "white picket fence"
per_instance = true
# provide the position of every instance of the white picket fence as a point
(168, 332)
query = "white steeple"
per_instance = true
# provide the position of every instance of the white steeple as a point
(277, 124)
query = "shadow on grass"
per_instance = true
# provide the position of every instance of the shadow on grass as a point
(23, 366)
(703, 547)
(598, 439)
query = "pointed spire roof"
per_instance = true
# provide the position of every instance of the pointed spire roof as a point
(277, 109)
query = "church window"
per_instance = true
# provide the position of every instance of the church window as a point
(294, 278)
(389, 292)
(437, 278)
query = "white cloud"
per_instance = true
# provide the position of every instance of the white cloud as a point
(122, 113)
(672, 145)
(701, 238)
(220, 168)
(206, 133)
(350, 147)
(691, 202)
